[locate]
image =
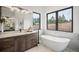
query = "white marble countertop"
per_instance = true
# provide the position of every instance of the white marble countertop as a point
(14, 33)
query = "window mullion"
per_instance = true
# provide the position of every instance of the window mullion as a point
(56, 20)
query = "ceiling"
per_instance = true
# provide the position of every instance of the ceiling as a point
(42, 8)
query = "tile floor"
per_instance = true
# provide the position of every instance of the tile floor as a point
(40, 48)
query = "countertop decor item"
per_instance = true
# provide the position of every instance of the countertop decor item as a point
(29, 29)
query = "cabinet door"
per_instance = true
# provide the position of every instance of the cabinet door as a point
(34, 40)
(20, 43)
(27, 42)
(31, 40)
(7, 45)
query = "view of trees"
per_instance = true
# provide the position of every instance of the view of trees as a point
(52, 20)
(35, 21)
(61, 19)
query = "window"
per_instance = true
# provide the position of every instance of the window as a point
(36, 20)
(65, 20)
(61, 20)
(51, 21)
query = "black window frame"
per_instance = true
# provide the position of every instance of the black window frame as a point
(47, 19)
(57, 18)
(39, 19)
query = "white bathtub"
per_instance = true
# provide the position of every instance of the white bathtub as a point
(54, 43)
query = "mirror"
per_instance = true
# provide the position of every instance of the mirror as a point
(14, 18)
(7, 15)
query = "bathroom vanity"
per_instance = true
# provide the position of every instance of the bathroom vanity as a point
(18, 41)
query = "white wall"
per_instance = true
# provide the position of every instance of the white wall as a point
(28, 20)
(76, 19)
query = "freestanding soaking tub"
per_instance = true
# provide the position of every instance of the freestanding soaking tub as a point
(55, 43)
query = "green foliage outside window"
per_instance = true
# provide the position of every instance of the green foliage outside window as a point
(35, 21)
(61, 19)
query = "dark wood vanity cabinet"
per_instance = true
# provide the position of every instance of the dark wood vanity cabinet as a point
(18, 43)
